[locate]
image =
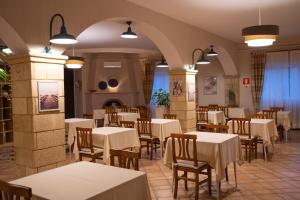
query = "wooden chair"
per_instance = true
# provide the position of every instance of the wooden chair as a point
(110, 109)
(185, 159)
(143, 110)
(213, 107)
(124, 109)
(145, 135)
(259, 116)
(271, 114)
(242, 127)
(113, 119)
(87, 116)
(214, 128)
(170, 116)
(202, 108)
(11, 191)
(225, 111)
(133, 110)
(125, 158)
(201, 119)
(85, 145)
(127, 124)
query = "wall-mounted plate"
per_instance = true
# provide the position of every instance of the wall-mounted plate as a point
(113, 82)
(102, 85)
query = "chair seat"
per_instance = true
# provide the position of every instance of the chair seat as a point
(190, 164)
(88, 151)
(147, 137)
(246, 138)
(201, 123)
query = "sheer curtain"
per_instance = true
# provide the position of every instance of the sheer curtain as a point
(161, 81)
(281, 83)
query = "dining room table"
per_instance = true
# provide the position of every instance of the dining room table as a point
(115, 138)
(216, 117)
(217, 149)
(238, 112)
(162, 128)
(86, 180)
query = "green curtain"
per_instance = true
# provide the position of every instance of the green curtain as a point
(258, 62)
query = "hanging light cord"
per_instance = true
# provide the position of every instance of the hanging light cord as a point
(73, 49)
(259, 17)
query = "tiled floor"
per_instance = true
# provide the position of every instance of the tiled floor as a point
(279, 178)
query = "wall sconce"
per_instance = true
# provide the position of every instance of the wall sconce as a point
(202, 60)
(63, 37)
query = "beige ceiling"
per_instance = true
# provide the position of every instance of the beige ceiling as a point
(226, 18)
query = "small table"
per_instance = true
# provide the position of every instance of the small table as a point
(115, 138)
(86, 180)
(72, 123)
(124, 116)
(218, 149)
(216, 117)
(238, 112)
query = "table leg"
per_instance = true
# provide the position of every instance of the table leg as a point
(161, 149)
(265, 152)
(235, 176)
(286, 135)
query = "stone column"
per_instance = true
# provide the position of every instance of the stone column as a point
(39, 137)
(183, 99)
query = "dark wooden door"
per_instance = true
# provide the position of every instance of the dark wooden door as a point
(69, 94)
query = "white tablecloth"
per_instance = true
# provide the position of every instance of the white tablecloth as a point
(238, 112)
(216, 117)
(85, 180)
(115, 138)
(284, 118)
(262, 128)
(72, 123)
(124, 116)
(217, 149)
(163, 128)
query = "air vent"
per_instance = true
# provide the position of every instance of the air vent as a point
(112, 64)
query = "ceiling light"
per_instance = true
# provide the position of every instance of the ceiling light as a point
(260, 35)
(211, 52)
(202, 60)
(74, 62)
(63, 37)
(162, 63)
(129, 33)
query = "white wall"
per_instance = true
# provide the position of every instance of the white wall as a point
(213, 69)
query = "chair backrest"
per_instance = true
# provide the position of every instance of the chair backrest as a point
(202, 108)
(124, 109)
(87, 116)
(125, 158)
(84, 139)
(143, 110)
(271, 114)
(213, 107)
(133, 110)
(202, 116)
(110, 109)
(259, 116)
(181, 149)
(170, 116)
(113, 118)
(127, 124)
(241, 126)
(277, 108)
(144, 126)
(216, 128)
(14, 192)
(224, 109)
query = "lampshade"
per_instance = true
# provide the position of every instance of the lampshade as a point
(74, 62)
(211, 52)
(7, 50)
(129, 34)
(63, 37)
(202, 60)
(162, 63)
(261, 35)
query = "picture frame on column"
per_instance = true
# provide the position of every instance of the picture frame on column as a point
(48, 95)
(177, 89)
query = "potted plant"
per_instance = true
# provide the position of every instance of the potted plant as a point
(161, 99)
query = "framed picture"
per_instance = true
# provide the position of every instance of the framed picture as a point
(210, 85)
(177, 88)
(48, 95)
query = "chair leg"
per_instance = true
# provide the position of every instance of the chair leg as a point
(185, 181)
(80, 157)
(226, 174)
(147, 148)
(151, 149)
(209, 179)
(255, 146)
(196, 186)
(175, 174)
(250, 151)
